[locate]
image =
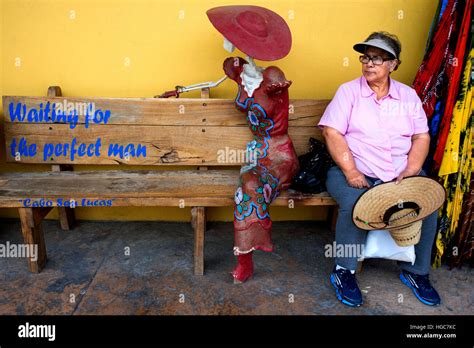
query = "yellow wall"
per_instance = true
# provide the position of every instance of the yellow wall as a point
(84, 46)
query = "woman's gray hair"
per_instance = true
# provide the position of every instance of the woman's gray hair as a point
(391, 40)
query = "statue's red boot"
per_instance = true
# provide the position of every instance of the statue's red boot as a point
(244, 269)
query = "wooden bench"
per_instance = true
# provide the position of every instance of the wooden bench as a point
(188, 133)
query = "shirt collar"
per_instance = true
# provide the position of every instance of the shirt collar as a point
(366, 91)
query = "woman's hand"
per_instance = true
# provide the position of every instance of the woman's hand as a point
(407, 172)
(356, 179)
(340, 153)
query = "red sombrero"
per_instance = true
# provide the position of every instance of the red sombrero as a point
(256, 31)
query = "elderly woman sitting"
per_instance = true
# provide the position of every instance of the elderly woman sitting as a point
(376, 130)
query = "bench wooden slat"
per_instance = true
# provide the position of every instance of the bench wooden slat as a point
(172, 112)
(137, 188)
(165, 145)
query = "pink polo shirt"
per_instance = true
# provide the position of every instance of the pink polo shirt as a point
(378, 132)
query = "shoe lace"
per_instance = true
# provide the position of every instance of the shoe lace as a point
(348, 278)
(423, 281)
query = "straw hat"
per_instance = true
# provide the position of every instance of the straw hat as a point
(256, 31)
(399, 208)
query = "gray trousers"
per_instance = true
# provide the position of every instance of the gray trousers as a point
(348, 233)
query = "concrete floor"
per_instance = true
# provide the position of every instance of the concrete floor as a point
(89, 273)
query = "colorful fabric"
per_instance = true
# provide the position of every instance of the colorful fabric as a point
(378, 132)
(431, 76)
(434, 128)
(457, 162)
(437, 17)
(443, 84)
(464, 239)
(454, 70)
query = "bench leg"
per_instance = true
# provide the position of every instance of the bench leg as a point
(33, 235)
(198, 222)
(332, 217)
(66, 215)
(66, 218)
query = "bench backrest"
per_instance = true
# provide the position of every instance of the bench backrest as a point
(140, 131)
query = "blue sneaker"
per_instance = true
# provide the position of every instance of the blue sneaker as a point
(421, 287)
(347, 290)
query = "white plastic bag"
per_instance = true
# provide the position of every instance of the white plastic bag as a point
(380, 244)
